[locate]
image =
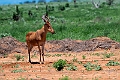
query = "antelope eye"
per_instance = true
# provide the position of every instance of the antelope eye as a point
(48, 26)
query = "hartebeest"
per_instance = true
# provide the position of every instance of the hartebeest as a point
(38, 38)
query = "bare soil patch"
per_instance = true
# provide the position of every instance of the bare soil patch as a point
(75, 52)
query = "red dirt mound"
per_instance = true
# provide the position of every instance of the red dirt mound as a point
(10, 44)
(78, 46)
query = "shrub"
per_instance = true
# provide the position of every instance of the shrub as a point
(61, 7)
(109, 2)
(75, 5)
(74, 59)
(108, 55)
(0, 9)
(4, 35)
(102, 5)
(18, 57)
(71, 67)
(50, 8)
(67, 5)
(60, 64)
(90, 66)
(84, 57)
(112, 63)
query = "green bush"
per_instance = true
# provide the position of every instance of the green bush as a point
(112, 63)
(4, 35)
(61, 7)
(90, 66)
(60, 64)
(67, 5)
(75, 5)
(108, 55)
(18, 57)
(71, 67)
(50, 8)
(0, 9)
(84, 57)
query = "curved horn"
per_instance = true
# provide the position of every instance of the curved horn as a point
(45, 18)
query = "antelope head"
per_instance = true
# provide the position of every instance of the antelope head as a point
(48, 26)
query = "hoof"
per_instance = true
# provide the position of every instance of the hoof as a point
(29, 61)
(42, 62)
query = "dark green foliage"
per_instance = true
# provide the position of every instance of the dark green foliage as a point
(0, 9)
(60, 64)
(67, 5)
(75, 5)
(4, 35)
(41, 1)
(83, 57)
(61, 7)
(16, 15)
(112, 63)
(109, 2)
(103, 5)
(17, 10)
(50, 8)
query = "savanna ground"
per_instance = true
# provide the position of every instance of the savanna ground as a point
(13, 67)
(82, 25)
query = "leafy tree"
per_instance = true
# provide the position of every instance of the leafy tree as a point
(59, 0)
(26, 2)
(109, 2)
(33, 1)
(41, 1)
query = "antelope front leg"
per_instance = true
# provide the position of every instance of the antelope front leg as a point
(43, 53)
(39, 52)
(29, 56)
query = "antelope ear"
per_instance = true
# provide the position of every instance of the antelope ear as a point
(38, 35)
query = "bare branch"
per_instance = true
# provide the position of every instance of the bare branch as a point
(97, 5)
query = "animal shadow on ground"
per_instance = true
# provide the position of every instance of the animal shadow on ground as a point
(35, 62)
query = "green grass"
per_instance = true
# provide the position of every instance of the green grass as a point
(108, 55)
(83, 22)
(65, 78)
(18, 57)
(17, 71)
